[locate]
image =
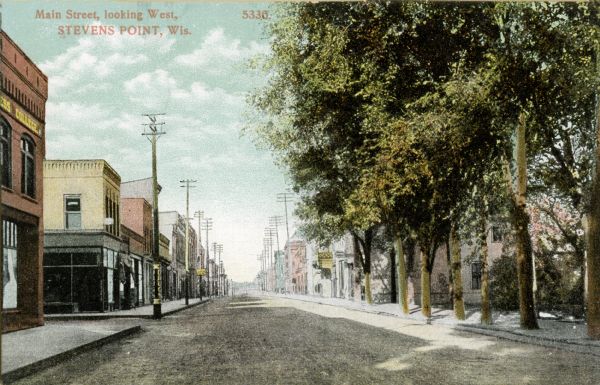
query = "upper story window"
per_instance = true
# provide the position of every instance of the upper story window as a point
(5, 152)
(72, 211)
(111, 213)
(27, 166)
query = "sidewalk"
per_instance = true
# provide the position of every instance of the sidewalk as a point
(562, 334)
(168, 307)
(66, 335)
(30, 350)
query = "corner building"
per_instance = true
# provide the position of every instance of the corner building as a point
(86, 264)
(23, 96)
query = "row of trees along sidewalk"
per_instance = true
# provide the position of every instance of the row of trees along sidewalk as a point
(426, 118)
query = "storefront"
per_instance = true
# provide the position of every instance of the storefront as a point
(23, 95)
(82, 273)
(80, 279)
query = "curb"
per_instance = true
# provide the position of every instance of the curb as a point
(98, 317)
(378, 312)
(183, 308)
(47, 362)
(568, 345)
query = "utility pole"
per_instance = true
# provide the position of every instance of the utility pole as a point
(215, 289)
(264, 267)
(219, 250)
(187, 184)
(152, 133)
(275, 222)
(265, 254)
(286, 197)
(207, 226)
(269, 244)
(200, 214)
(262, 278)
(270, 234)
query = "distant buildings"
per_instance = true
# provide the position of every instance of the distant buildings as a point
(98, 244)
(23, 96)
(334, 271)
(172, 225)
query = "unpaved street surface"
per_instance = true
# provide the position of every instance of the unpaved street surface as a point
(248, 340)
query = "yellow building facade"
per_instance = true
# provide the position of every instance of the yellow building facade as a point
(87, 266)
(94, 182)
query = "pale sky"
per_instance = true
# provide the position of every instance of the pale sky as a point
(99, 87)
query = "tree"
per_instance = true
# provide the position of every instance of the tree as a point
(543, 66)
(311, 112)
(357, 85)
(593, 222)
(457, 290)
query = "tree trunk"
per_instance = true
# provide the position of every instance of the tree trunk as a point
(523, 240)
(459, 304)
(486, 311)
(450, 276)
(368, 294)
(393, 279)
(365, 260)
(425, 285)
(402, 278)
(593, 237)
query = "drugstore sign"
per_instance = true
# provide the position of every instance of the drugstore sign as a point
(20, 115)
(325, 259)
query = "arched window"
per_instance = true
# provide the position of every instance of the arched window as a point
(27, 166)
(5, 152)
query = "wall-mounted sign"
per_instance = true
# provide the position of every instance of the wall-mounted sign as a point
(200, 272)
(20, 115)
(325, 259)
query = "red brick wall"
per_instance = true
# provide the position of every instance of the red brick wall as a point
(136, 213)
(26, 88)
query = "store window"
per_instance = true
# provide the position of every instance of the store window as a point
(110, 262)
(72, 212)
(27, 166)
(10, 278)
(5, 153)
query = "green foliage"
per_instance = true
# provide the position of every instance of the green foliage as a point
(402, 112)
(504, 291)
(551, 288)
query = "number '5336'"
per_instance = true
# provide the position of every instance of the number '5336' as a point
(250, 14)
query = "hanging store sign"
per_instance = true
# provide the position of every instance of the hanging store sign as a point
(20, 115)
(325, 259)
(200, 272)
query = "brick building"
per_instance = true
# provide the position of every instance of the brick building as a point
(86, 264)
(295, 250)
(172, 225)
(136, 219)
(23, 96)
